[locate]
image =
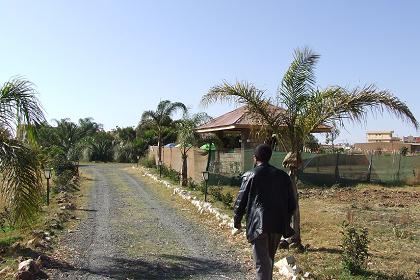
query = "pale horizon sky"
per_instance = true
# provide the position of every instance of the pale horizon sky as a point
(111, 60)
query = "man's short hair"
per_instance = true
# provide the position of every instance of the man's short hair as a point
(263, 152)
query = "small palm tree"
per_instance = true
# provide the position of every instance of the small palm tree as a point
(161, 119)
(21, 183)
(306, 108)
(188, 137)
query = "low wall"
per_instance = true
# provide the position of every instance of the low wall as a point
(171, 157)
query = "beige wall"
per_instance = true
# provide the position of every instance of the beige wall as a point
(171, 157)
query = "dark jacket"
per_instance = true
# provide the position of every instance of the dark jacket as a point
(266, 197)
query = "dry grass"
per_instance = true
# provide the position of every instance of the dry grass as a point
(391, 214)
(8, 258)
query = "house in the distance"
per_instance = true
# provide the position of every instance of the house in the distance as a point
(381, 136)
(384, 141)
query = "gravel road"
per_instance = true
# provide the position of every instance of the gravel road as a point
(134, 232)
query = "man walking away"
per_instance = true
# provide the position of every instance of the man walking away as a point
(266, 197)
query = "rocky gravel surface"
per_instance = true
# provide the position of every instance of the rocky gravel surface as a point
(133, 232)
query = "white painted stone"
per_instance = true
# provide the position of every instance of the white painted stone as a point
(289, 260)
(287, 270)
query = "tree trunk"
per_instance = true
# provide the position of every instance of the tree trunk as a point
(159, 149)
(296, 216)
(184, 173)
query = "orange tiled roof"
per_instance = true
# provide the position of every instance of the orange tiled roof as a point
(236, 120)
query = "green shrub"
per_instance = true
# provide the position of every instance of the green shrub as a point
(191, 185)
(355, 248)
(228, 200)
(216, 192)
(66, 181)
(60, 164)
(6, 220)
(172, 174)
(147, 162)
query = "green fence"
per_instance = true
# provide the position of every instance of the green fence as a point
(328, 169)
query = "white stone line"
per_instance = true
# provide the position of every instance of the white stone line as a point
(202, 207)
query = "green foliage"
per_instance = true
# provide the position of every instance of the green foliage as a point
(66, 181)
(403, 151)
(6, 221)
(217, 193)
(21, 183)
(147, 162)
(100, 146)
(355, 248)
(61, 164)
(8, 241)
(170, 173)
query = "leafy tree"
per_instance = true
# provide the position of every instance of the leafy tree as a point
(188, 137)
(160, 121)
(20, 171)
(332, 135)
(312, 143)
(100, 146)
(306, 107)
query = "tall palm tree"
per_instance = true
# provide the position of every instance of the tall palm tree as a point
(188, 137)
(306, 107)
(161, 119)
(21, 184)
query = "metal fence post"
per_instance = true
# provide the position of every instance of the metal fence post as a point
(370, 168)
(337, 172)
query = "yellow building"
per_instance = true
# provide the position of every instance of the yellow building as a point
(381, 136)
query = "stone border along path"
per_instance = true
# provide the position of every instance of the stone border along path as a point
(202, 207)
(286, 266)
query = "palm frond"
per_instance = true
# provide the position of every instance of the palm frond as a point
(298, 80)
(21, 185)
(176, 106)
(19, 105)
(335, 104)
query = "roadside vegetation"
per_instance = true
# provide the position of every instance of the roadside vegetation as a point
(367, 231)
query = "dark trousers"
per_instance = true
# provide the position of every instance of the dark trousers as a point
(264, 249)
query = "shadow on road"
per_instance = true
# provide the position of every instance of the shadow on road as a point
(164, 267)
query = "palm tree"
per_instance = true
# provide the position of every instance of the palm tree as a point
(21, 184)
(161, 119)
(188, 137)
(306, 107)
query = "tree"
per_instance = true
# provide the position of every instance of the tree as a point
(312, 143)
(21, 186)
(306, 107)
(188, 137)
(332, 135)
(161, 119)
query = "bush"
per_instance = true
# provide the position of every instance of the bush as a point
(228, 200)
(60, 164)
(355, 248)
(191, 185)
(6, 220)
(171, 174)
(67, 181)
(147, 162)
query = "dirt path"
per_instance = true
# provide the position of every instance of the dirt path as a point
(132, 232)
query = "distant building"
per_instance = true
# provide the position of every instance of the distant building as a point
(381, 136)
(384, 141)
(411, 139)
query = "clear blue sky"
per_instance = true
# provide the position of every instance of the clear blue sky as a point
(111, 60)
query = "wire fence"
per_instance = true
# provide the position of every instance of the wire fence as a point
(328, 169)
